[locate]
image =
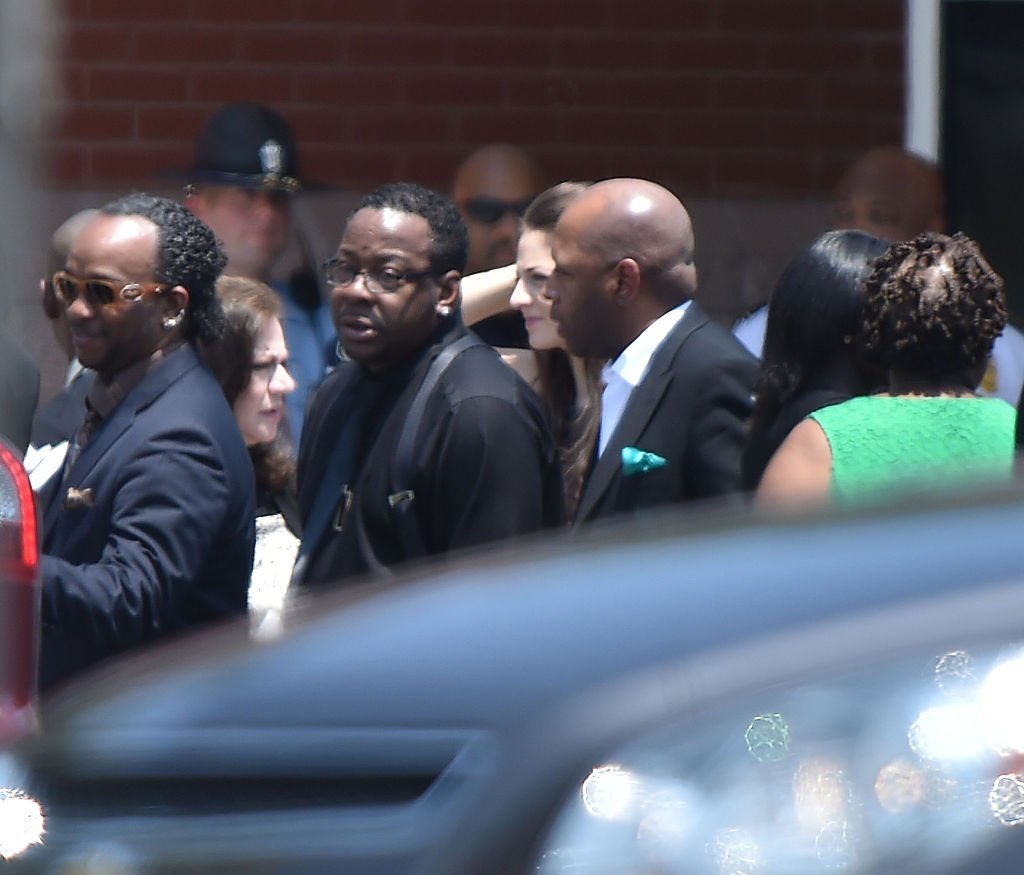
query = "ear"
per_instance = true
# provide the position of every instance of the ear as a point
(627, 281)
(175, 301)
(450, 290)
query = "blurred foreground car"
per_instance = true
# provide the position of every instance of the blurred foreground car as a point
(20, 822)
(843, 693)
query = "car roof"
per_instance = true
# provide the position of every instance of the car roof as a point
(503, 632)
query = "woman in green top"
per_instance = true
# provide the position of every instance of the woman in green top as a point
(933, 309)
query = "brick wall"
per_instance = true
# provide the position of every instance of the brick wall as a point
(715, 98)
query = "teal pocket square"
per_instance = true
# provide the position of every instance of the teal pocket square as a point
(636, 461)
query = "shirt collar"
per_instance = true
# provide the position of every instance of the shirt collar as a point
(632, 362)
(104, 397)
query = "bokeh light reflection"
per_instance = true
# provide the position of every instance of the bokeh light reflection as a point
(954, 673)
(767, 738)
(735, 852)
(834, 847)
(608, 792)
(899, 786)
(1002, 706)
(1006, 799)
(820, 794)
(21, 823)
(953, 731)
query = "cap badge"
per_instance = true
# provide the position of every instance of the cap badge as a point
(271, 157)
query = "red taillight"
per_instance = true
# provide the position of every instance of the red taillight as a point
(19, 540)
(19, 598)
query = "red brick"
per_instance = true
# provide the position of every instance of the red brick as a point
(504, 125)
(75, 81)
(763, 172)
(322, 124)
(622, 127)
(97, 122)
(434, 167)
(137, 163)
(615, 51)
(239, 13)
(96, 42)
(715, 130)
(770, 16)
(689, 15)
(293, 45)
(133, 83)
(557, 15)
(570, 162)
(350, 166)
(765, 92)
(713, 53)
(114, 10)
(65, 163)
(883, 15)
(185, 44)
(549, 90)
(402, 47)
(818, 55)
(497, 48)
(399, 125)
(347, 87)
(664, 89)
(350, 11)
(875, 95)
(458, 13)
(172, 121)
(887, 58)
(239, 83)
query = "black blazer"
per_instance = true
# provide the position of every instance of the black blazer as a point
(691, 409)
(152, 530)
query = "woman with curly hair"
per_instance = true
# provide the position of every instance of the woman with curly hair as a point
(933, 309)
(810, 358)
(250, 361)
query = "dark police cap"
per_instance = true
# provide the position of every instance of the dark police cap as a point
(247, 145)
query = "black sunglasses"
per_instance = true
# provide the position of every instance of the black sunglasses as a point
(491, 210)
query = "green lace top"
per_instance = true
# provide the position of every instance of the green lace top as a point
(881, 444)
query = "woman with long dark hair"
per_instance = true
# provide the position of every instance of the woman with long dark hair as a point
(811, 357)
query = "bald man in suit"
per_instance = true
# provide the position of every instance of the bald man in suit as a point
(678, 387)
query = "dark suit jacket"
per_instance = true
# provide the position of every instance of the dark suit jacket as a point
(19, 392)
(691, 408)
(152, 531)
(59, 418)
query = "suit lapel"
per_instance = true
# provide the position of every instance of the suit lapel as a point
(141, 396)
(640, 407)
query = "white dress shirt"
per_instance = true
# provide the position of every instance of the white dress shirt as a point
(624, 374)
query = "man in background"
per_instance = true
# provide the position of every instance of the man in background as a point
(492, 188)
(896, 195)
(241, 183)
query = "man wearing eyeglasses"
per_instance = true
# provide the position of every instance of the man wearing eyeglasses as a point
(492, 188)
(148, 527)
(423, 442)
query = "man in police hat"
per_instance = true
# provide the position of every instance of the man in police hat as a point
(241, 184)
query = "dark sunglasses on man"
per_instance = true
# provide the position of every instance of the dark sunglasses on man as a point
(99, 292)
(491, 210)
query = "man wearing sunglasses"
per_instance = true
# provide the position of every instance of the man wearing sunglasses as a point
(492, 189)
(422, 442)
(148, 527)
